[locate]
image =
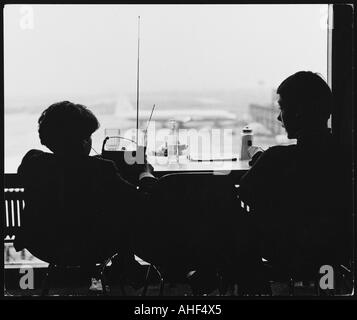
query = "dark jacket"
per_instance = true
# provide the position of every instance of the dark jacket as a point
(76, 207)
(301, 197)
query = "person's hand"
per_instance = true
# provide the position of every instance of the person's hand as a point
(254, 153)
(144, 167)
(147, 182)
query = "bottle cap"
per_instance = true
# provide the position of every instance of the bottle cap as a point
(172, 124)
(247, 130)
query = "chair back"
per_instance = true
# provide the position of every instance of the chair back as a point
(13, 206)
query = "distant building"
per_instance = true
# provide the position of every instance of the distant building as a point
(267, 116)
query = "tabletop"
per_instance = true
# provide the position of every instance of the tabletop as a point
(161, 164)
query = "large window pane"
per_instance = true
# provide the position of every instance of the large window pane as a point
(229, 58)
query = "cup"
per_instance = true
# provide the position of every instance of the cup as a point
(113, 143)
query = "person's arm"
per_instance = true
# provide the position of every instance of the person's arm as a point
(144, 181)
(254, 153)
(117, 180)
(26, 174)
(147, 180)
(27, 164)
(254, 184)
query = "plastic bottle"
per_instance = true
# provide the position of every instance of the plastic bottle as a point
(172, 143)
(247, 141)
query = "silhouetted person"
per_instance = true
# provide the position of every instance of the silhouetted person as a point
(300, 193)
(78, 208)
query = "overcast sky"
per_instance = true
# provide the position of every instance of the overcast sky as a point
(57, 49)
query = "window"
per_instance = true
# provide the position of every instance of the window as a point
(209, 66)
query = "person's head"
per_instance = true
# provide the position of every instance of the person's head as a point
(305, 102)
(66, 127)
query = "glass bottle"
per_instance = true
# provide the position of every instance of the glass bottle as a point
(172, 143)
(247, 141)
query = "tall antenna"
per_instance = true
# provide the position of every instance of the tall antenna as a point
(152, 111)
(137, 87)
(147, 126)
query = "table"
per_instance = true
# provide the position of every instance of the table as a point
(160, 165)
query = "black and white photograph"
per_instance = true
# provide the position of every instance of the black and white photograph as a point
(179, 151)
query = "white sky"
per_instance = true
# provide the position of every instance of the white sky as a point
(77, 49)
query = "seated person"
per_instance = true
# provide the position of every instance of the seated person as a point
(78, 207)
(300, 193)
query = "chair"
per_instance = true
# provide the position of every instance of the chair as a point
(103, 277)
(302, 265)
(161, 279)
(149, 269)
(14, 206)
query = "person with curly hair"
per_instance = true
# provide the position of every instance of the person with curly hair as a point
(75, 203)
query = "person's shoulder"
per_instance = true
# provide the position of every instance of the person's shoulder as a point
(34, 161)
(100, 162)
(275, 156)
(279, 151)
(35, 155)
(281, 148)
